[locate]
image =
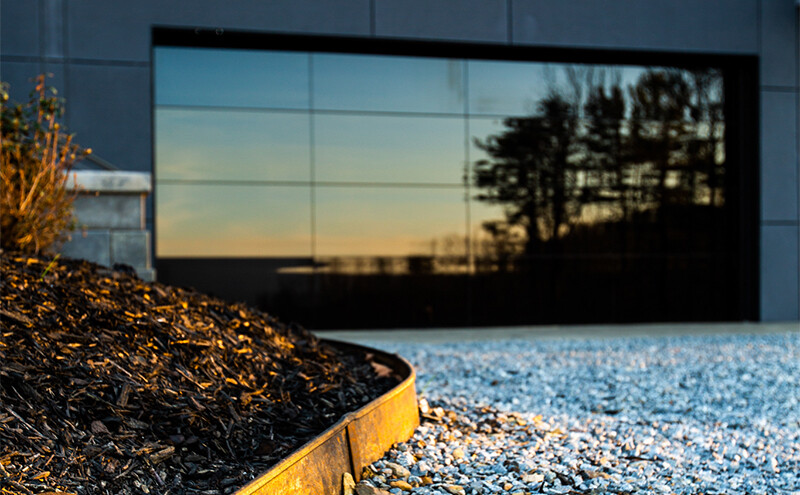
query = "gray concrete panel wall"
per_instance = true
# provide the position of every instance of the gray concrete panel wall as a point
(99, 51)
(452, 20)
(19, 76)
(779, 156)
(112, 30)
(779, 273)
(778, 49)
(19, 28)
(110, 110)
(723, 26)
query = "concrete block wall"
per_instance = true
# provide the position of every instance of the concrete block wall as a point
(110, 214)
(99, 52)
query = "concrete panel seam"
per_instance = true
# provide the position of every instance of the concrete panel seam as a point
(107, 62)
(779, 89)
(780, 223)
(29, 59)
(69, 60)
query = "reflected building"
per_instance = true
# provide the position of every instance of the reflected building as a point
(392, 190)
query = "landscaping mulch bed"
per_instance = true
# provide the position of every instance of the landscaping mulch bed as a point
(112, 385)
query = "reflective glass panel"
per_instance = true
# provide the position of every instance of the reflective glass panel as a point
(231, 145)
(510, 88)
(365, 148)
(387, 221)
(479, 130)
(482, 212)
(388, 83)
(518, 88)
(495, 243)
(237, 78)
(232, 221)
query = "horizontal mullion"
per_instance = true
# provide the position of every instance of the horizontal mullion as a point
(222, 108)
(226, 182)
(366, 113)
(390, 113)
(616, 255)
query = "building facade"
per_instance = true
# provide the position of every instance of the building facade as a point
(382, 163)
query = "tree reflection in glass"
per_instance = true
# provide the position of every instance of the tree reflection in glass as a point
(597, 163)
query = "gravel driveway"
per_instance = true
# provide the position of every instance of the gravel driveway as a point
(680, 414)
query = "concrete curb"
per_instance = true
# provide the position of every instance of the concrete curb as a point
(357, 440)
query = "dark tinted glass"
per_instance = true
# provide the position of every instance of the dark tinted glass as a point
(441, 192)
(231, 78)
(389, 149)
(388, 84)
(224, 221)
(232, 145)
(401, 221)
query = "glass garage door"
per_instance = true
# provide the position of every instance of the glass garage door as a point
(348, 190)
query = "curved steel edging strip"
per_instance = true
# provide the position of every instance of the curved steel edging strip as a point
(357, 440)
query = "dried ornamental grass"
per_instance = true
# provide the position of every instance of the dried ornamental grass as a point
(36, 156)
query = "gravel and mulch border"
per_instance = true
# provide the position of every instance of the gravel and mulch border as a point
(110, 385)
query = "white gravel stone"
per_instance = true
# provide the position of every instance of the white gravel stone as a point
(683, 415)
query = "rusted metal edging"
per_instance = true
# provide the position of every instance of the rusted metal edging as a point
(357, 440)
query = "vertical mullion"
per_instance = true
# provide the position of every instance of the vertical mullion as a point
(468, 198)
(312, 158)
(313, 286)
(467, 162)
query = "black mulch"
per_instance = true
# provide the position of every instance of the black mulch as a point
(116, 386)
